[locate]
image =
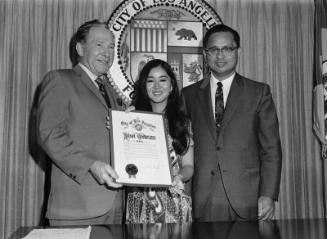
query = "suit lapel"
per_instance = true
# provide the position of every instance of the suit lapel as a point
(112, 94)
(204, 96)
(234, 100)
(89, 84)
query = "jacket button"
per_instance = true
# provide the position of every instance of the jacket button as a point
(218, 148)
(212, 172)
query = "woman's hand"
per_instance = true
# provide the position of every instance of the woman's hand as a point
(178, 182)
(130, 108)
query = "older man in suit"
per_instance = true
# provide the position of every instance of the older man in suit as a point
(72, 111)
(237, 162)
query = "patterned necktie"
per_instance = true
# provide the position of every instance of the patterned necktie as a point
(219, 106)
(101, 81)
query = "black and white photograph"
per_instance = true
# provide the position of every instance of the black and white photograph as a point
(190, 119)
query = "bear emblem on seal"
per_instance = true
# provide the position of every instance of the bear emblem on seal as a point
(185, 34)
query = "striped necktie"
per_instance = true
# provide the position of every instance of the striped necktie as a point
(219, 106)
(100, 80)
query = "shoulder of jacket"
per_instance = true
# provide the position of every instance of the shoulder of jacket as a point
(253, 83)
(193, 86)
(59, 72)
(59, 77)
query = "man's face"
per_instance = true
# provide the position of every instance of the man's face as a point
(97, 52)
(221, 66)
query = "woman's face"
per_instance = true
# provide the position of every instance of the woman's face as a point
(158, 86)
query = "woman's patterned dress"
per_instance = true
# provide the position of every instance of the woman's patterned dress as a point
(166, 205)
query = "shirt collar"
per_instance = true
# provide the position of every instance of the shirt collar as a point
(88, 72)
(226, 83)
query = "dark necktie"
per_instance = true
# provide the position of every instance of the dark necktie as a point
(101, 82)
(219, 106)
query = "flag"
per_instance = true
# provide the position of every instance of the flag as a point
(320, 75)
(149, 36)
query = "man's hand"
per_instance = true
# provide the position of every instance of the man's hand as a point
(266, 208)
(104, 174)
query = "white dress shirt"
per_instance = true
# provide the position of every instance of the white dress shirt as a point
(89, 73)
(226, 87)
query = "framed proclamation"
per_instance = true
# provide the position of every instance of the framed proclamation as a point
(139, 148)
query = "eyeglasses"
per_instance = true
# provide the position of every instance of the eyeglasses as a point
(227, 51)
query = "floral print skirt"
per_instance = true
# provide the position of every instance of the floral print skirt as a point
(164, 205)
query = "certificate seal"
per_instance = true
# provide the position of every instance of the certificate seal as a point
(170, 30)
(131, 170)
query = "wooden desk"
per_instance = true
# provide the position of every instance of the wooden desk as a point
(279, 229)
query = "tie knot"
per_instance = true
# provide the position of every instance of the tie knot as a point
(220, 85)
(100, 80)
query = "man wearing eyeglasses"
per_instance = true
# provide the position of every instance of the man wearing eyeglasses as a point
(237, 161)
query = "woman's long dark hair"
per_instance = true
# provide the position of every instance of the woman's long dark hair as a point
(178, 123)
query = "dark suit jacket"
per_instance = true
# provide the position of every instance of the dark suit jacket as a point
(71, 129)
(247, 152)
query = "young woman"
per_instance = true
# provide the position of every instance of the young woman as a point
(156, 90)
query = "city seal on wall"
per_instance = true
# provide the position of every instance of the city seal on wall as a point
(170, 30)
